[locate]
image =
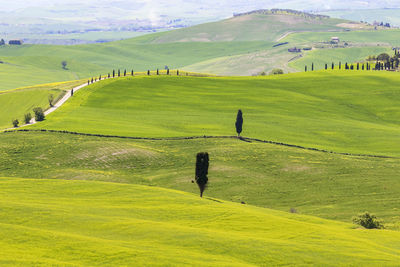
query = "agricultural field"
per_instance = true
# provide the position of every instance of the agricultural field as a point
(116, 224)
(327, 109)
(111, 177)
(15, 103)
(326, 185)
(209, 48)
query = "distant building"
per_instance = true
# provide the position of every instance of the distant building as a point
(15, 42)
(294, 50)
(335, 40)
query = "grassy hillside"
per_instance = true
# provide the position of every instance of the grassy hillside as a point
(92, 223)
(253, 27)
(320, 57)
(340, 111)
(14, 104)
(236, 46)
(325, 185)
(382, 37)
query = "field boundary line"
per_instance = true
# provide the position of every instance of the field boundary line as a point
(245, 139)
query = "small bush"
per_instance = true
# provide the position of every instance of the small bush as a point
(368, 221)
(276, 71)
(15, 123)
(263, 73)
(39, 114)
(28, 117)
(293, 210)
(51, 100)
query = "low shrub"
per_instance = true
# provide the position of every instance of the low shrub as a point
(15, 123)
(276, 71)
(39, 114)
(368, 221)
(27, 118)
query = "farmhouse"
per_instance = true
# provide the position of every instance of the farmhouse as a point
(15, 42)
(335, 40)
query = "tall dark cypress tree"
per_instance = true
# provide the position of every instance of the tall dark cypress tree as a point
(119, 73)
(108, 75)
(326, 66)
(358, 66)
(131, 72)
(177, 72)
(148, 72)
(305, 68)
(340, 65)
(158, 72)
(312, 66)
(333, 65)
(239, 122)
(113, 73)
(202, 163)
(125, 73)
(167, 71)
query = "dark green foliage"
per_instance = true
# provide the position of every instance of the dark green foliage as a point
(158, 72)
(239, 122)
(39, 114)
(340, 65)
(15, 123)
(131, 72)
(167, 71)
(27, 118)
(326, 66)
(305, 68)
(72, 92)
(333, 65)
(312, 66)
(64, 64)
(177, 72)
(108, 75)
(276, 71)
(368, 221)
(124, 73)
(51, 100)
(384, 57)
(2, 42)
(113, 73)
(119, 73)
(148, 72)
(202, 163)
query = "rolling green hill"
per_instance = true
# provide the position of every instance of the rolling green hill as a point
(326, 185)
(343, 111)
(241, 45)
(14, 104)
(73, 223)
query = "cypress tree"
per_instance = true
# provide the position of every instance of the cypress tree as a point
(358, 66)
(92, 80)
(177, 72)
(340, 65)
(148, 72)
(125, 73)
(167, 71)
(305, 68)
(119, 73)
(88, 82)
(326, 66)
(158, 72)
(239, 122)
(113, 73)
(100, 77)
(202, 163)
(131, 72)
(333, 65)
(72, 92)
(312, 66)
(109, 75)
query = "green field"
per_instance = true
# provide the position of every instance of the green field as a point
(320, 57)
(72, 223)
(236, 46)
(330, 186)
(339, 111)
(14, 104)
